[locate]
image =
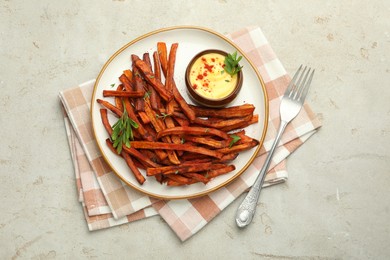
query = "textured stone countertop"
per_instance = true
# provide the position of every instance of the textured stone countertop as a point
(335, 204)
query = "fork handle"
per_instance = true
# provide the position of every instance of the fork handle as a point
(247, 208)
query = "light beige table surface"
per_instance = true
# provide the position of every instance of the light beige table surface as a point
(335, 204)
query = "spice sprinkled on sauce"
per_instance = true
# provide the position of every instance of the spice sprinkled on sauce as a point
(209, 79)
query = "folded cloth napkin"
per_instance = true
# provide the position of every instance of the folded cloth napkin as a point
(96, 210)
(107, 201)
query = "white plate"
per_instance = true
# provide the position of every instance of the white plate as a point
(191, 40)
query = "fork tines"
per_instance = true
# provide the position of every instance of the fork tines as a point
(298, 89)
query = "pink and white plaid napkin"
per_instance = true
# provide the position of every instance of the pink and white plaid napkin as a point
(108, 202)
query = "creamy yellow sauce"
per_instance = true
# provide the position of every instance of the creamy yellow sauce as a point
(209, 79)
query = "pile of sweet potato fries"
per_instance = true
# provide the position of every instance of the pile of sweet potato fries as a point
(175, 142)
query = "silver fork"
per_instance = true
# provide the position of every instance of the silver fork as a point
(290, 106)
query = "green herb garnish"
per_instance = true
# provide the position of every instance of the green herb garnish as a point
(147, 94)
(232, 65)
(235, 139)
(112, 85)
(123, 132)
(162, 116)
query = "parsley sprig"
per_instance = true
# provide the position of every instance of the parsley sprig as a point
(232, 65)
(123, 132)
(235, 139)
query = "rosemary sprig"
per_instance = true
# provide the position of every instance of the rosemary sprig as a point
(232, 65)
(122, 132)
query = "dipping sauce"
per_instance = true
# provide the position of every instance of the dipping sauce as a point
(208, 77)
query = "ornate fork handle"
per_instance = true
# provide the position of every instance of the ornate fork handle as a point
(246, 210)
(290, 105)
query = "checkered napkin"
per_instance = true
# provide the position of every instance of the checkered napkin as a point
(107, 201)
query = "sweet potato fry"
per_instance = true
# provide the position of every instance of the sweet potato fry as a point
(151, 79)
(197, 177)
(154, 120)
(110, 107)
(172, 156)
(118, 100)
(173, 183)
(126, 83)
(214, 173)
(106, 124)
(182, 103)
(228, 157)
(161, 155)
(146, 59)
(180, 115)
(138, 164)
(192, 130)
(200, 160)
(171, 66)
(175, 139)
(163, 56)
(243, 137)
(141, 129)
(157, 66)
(140, 156)
(151, 131)
(179, 147)
(129, 75)
(211, 142)
(113, 150)
(144, 117)
(190, 158)
(229, 112)
(179, 169)
(137, 174)
(127, 93)
(138, 83)
(159, 125)
(182, 122)
(155, 99)
(151, 155)
(239, 147)
(254, 119)
(111, 146)
(222, 123)
(180, 180)
(152, 94)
